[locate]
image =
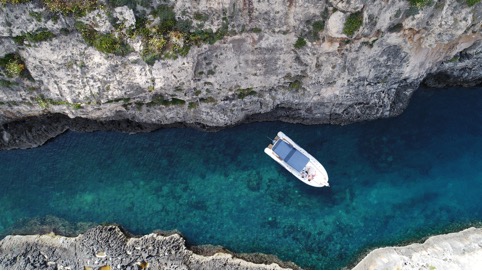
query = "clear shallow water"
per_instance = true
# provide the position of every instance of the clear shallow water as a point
(392, 181)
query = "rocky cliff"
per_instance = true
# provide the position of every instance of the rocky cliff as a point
(218, 63)
(105, 247)
(108, 247)
(460, 250)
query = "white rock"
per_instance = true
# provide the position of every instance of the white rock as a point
(126, 16)
(334, 27)
(460, 250)
(347, 5)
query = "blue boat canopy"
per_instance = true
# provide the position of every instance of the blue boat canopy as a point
(290, 155)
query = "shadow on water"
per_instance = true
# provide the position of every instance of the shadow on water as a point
(392, 181)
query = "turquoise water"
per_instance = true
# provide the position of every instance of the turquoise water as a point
(392, 181)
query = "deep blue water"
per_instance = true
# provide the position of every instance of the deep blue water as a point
(392, 181)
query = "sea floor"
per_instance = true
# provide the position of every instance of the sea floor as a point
(392, 181)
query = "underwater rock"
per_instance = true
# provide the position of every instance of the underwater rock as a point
(153, 251)
(48, 224)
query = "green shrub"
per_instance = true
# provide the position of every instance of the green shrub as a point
(42, 102)
(353, 23)
(14, 68)
(300, 42)
(183, 51)
(41, 35)
(120, 3)
(37, 16)
(106, 43)
(198, 16)
(132, 4)
(175, 101)
(208, 100)
(7, 58)
(6, 83)
(255, 30)
(244, 92)
(87, 32)
(76, 106)
(153, 49)
(13, 65)
(296, 85)
(14, 1)
(47, 102)
(472, 2)
(141, 29)
(183, 26)
(318, 26)
(202, 36)
(192, 105)
(412, 11)
(123, 100)
(167, 18)
(160, 100)
(456, 58)
(162, 40)
(77, 7)
(419, 3)
(19, 39)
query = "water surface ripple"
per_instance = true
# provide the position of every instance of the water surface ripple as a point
(392, 180)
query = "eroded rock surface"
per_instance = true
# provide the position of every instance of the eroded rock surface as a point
(453, 251)
(108, 246)
(253, 72)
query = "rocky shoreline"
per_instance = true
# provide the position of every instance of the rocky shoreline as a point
(103, 247)
(109, 247)
(454, 251)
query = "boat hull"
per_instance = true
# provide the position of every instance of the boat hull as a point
(314, 175)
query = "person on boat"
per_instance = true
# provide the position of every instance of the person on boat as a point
(311, 175)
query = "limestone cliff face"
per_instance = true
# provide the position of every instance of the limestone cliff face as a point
(109, 248)
(253, 71)
(460, 250)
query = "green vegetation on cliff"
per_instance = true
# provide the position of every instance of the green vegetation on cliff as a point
(169, 37)
(245, 92)
(295, 85)
(472, 2)
(47, 102)
(353, 23)
(12, 65)
(300, 42)
(419, 3)
(79, 7)
(14, 1)
(107, 43)
(163, 34)
(37, 36)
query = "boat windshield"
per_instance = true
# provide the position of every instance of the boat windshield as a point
(290, 155)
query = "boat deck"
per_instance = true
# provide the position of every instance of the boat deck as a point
(297, 161)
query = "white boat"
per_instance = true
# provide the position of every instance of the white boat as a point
(297, 161)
